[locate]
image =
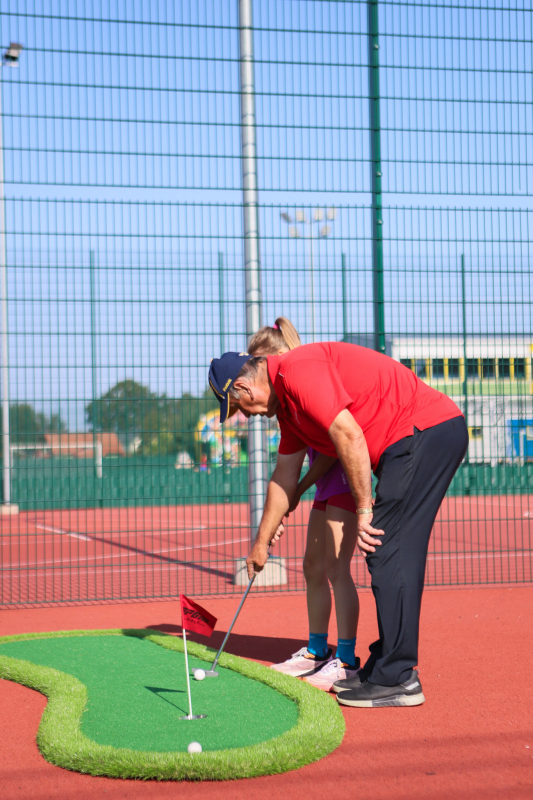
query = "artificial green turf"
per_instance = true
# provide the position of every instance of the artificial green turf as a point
(319, 728)
(138, 692)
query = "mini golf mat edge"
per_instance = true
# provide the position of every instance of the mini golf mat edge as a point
(319, 730)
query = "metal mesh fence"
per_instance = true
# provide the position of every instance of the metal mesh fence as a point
(392, 149)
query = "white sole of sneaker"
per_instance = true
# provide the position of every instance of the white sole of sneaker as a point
(338, 689)
(299, 674)
(397, 701)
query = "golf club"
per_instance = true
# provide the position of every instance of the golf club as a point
(212, 673)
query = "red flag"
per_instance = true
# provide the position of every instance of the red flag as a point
(195, 618)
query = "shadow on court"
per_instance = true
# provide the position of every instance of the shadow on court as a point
(261, 648)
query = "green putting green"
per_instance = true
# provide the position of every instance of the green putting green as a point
(116, 698)
(138, 692)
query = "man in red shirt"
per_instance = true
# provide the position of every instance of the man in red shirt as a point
(370, 412)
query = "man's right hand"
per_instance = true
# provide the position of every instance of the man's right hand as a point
(365, 535)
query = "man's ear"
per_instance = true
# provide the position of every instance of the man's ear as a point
(242, 386)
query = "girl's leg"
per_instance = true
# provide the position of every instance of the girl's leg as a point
(318, 591)
(340, 539)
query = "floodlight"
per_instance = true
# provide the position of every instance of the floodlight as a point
(318, 214)
(325, 230)
(332, 213)
(294, 233)
(300, 216)
(11, 56)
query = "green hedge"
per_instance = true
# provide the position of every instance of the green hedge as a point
(71, 483)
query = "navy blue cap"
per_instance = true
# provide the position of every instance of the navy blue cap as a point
(222, 373)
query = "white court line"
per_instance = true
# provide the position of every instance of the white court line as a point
(77, 563)
(48, 529)
(113, 567)
(97, 533)
(80, 565)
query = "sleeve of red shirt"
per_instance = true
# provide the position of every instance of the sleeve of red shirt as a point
(316, 387)
(289, 442)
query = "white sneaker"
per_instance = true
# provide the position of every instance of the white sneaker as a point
(302, 663)
(335, 670)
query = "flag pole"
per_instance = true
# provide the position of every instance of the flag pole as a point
(190, 715)
(187, 673)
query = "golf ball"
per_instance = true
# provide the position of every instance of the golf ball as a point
(199, 674)
(194, 747)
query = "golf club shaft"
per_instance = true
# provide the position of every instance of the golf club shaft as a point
(245, 595)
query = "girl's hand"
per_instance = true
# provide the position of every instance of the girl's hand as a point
(294, 502)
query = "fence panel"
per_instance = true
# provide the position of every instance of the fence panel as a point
(394, 169)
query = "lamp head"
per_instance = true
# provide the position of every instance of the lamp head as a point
(11, 56)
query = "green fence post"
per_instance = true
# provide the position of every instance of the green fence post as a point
(221, 301)
(97, 447)
(344, 299)
(465, 374)
(375, 162)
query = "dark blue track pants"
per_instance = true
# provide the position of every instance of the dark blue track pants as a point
(413, 476)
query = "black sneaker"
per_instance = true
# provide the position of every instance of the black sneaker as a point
(350, 683)
(372, 695)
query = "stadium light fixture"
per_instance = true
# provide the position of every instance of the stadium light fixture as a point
(317, 215)
(11, 56)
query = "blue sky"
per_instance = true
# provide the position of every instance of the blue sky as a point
(121, 135)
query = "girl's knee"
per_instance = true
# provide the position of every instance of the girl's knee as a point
(313, 568)
(338, 570)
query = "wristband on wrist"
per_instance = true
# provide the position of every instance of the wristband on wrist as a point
(361, 511)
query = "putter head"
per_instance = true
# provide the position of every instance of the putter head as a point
(211, 673)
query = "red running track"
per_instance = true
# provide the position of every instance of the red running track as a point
(130, 553)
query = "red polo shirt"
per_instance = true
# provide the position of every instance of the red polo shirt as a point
(315, 382)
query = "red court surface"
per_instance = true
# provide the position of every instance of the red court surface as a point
(127, 553)
(473, 738)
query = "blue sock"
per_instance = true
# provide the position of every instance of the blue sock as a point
(318, 644)
(346, 651)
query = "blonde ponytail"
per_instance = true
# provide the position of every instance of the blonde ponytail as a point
(268, 340)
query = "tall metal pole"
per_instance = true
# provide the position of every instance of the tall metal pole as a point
(344, 299)
(465, 372)
(6, 450)
(257, 451)
(375, 163)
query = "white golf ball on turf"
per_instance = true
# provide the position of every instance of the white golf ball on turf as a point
(194, 747)
(199, 674)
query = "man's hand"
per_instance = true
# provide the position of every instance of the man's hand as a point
(257, 559)
(259, 553)
(365, 533)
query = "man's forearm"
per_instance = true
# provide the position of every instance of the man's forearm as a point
(276, 506)
(352, 450)
(356, 463)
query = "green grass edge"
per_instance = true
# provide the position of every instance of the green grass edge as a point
(319, 730)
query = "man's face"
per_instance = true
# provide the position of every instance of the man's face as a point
(257, 399)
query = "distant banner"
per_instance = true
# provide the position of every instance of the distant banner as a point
(196, 619)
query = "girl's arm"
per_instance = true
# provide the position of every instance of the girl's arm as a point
(318, 468)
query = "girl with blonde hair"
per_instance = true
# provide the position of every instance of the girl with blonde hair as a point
(331, 539)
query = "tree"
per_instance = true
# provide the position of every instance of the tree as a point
(27, 426)
(122, 409)
(164, 424)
